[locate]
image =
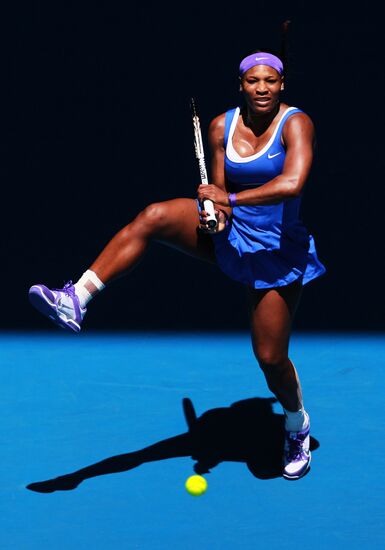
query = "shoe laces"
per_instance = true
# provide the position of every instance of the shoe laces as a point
(68, 289)
(295, 447)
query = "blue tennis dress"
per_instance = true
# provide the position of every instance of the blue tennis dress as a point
(264, 246)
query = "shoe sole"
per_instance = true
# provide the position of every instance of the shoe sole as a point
(49, 309)
(293, 478)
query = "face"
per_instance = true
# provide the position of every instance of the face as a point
(261, 86)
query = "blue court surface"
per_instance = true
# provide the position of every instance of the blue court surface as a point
(154, 406)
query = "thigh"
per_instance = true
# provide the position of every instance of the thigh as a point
(178, 227)
(271, 316)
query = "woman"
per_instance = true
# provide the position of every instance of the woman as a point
(261, 158)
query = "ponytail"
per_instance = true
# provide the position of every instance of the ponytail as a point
(284, 45)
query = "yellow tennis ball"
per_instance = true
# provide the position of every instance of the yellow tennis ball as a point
(196, 485)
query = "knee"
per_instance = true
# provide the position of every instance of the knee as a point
(272, 361)
(147, 223)
(153, 218)
(274, 366)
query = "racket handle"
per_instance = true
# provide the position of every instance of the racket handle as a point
(208, 207)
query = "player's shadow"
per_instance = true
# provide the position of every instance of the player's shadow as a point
(248, 431)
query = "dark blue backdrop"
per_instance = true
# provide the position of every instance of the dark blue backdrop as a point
(97, 125)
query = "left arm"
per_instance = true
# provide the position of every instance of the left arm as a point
(298, 135)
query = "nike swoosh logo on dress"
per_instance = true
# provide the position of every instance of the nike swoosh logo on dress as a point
(269, 156)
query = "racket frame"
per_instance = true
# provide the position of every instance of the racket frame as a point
(208, 205)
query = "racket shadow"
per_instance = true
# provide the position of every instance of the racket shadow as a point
(248, 431)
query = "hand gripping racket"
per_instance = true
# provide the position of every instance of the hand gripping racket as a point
(199, 153)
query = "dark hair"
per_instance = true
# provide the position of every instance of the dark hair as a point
(283, 50)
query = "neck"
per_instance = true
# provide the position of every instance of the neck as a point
(260, 122)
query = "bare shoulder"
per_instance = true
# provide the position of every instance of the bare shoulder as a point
(299, 121)
(298, 125)
(217, 130)
(217, 123)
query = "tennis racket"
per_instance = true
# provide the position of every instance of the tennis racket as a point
(200, 156)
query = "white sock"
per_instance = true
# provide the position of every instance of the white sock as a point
(87, 287)
(296, 421)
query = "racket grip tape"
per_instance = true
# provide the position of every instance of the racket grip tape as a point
(209, 209)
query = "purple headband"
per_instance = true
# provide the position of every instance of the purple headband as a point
(261, 58)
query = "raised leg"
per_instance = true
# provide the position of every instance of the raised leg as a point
(174, 223)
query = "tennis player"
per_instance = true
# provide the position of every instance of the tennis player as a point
(261, 155)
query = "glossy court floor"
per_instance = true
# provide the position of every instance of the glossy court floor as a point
(155, 406)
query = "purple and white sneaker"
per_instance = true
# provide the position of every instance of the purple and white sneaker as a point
(297, 455)
(61, 305)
